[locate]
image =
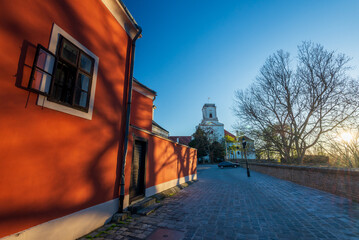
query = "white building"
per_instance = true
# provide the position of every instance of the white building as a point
(216, 131)
(210, 123)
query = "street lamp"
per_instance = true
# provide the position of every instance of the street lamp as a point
(244, 143)
(237, 152)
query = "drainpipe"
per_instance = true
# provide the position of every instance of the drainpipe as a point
(128, 112)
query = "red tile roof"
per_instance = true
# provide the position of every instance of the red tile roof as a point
(182, 139)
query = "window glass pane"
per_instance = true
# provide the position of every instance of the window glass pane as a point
(83, 82)
(62, 94)
(67, 96)
(45, 61)
(69, 53)
(63, 84)
(81, 98)
(57, 91)
(65, 75)
(60, 74)
(41, 81)
(70, 78)
(86, 63)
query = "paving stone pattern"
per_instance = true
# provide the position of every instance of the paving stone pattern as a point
(225, 204)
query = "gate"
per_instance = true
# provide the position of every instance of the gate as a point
(137, 184)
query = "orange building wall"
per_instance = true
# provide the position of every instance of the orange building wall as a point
(51, 163)
(166, 160)
(141, 111)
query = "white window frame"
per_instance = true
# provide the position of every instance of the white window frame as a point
(42, 100)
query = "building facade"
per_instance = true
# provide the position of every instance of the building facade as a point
(234, 147)
(65, 77)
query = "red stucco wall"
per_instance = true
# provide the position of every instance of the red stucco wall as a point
(166, 160)
(51, 163)
(141, 111)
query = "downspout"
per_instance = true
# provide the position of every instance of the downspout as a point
(128, 112)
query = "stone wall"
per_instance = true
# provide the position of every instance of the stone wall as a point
(342, 182)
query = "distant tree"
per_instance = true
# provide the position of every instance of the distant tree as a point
(293, 108)
(217, 152)
(268, 143)
(229, 139)
(200, 142)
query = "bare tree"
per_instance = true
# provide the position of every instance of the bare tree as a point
(265, 149)
(342, 146)
(294, 108)
(263, 106)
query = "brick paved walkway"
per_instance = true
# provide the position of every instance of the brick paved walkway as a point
(225, 204)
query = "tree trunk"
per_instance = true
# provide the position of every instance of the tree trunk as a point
(301, 157)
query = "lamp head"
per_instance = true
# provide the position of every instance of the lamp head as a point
(244, 143)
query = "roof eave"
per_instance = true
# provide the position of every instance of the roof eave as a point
(123, 16)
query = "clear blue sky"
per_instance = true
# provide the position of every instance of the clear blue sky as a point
(195, 49)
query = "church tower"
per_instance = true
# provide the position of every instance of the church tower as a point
(209, 112)
(210, 122)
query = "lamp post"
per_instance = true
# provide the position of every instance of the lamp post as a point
(226, 150)
(237, 153)
(244, 143)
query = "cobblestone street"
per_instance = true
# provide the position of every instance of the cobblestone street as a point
(225, 204)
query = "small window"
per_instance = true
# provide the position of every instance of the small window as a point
(210, 115)
(71, 85)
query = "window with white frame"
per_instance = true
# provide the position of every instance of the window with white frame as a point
(72, 70)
